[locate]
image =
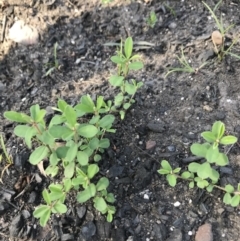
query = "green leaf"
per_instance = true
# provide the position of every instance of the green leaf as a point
(72, 152)
(229, 188)
(202, 184)
(228, 140)
(59, 132)
(106, 122)
(20, 130)
(92, 170)
(104, 143)
(94, 119)
(62, 105)
(193, 167)
(52, 170)
(177, 170)
(209, 136)
(172, 180)
(135, 65)
(214, 176)
(38, 155)
(186, 175)
(82, 158)
(212, 155)
(218, 129)
(44, 219)
(122, 114)
(56, 195)
(78, 181)
(116, 80)
(40, 211)
(83, 108)
(227, 198)
(46, 196)
(109, 217)
(102, 184)
(97, 158)
(199, 149)
(191, 185)
(94, 143)
(130, 89)
(62, 152)
(70, 115)
(87, 131)
(204, 171)
(128, 47)
(222, 159)
(59, 208)
(235, 201)
(88, 193)
(100, 204)
(56, 120)
(17, 117)
(165, 165)
(37, 114)
(210, 188)
(69, 170)
(126, 106)
(116, 59)
(46, 138)
(100, 102)
(119, 98)
(53, 159)
(163, 171)
(55, 187)
(110, 198)
(67, 183)
(87, 100)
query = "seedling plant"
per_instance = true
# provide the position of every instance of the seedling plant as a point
(218, 40)
(55, 64)
(205, 175)
(185, 66)
(125, 62)
(72, 146)
(152, 19)
(221, 52)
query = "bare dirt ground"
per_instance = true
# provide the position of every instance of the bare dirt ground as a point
(172, 111)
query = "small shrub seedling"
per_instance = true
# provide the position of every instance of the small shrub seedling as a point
(73, 146)
(152, 19)
(205, 175)
(125, 62)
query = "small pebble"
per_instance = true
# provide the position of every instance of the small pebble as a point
(204, 233)
(150, 144)
(172, 25)
(146, 196)
(177, 204)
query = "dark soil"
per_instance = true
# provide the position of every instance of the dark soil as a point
(171, 111)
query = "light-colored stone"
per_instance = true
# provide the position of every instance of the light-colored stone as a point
(150, 144)
(23, 33)
(204, 233)
(217, 38)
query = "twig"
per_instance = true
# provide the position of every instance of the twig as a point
(3, 27)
